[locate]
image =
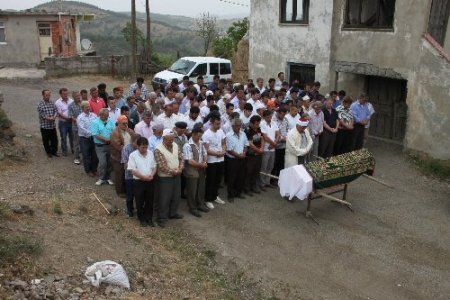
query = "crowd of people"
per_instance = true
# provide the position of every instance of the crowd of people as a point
(187, 140)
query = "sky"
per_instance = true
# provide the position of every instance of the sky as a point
(190, 8)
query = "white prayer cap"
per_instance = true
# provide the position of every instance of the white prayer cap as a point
(306, 97)
(227, 96)
(208, 93)
(167, 132)
(303, 123)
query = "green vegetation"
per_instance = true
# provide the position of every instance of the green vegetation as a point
(57, 207)
(5, 210)
(4, 121)
(225, 46)
(430, 166)
(13, 248)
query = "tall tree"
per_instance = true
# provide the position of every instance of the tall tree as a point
(133, 38)
(148, 40)
(206, 29)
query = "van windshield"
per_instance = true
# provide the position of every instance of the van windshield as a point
(182, 66)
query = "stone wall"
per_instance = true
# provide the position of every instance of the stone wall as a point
(109, 65)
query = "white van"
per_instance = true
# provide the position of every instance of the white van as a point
(193, 67)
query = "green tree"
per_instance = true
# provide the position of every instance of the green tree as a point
(127, 34)
(226, 45)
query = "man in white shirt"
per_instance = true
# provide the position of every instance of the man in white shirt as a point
(279, 81)
(255, 99)
(240, 95)
(292, 117)
(214, 139)
(184, 84)
(200, 82)
(193, 119)
(271, 135)
(65, 122)
(167, 118)
(144, 128)
(114, 112)
(246, 114)
(205, 110)
(260, 85)
(142, 164)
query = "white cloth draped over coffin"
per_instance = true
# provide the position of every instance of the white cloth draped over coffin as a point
(295, 182)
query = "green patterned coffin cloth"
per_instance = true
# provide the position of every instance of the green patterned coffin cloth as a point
(340, 169)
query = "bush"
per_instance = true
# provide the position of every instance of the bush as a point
(12, 248)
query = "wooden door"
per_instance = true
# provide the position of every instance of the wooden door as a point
(45, 40)
(388, 97)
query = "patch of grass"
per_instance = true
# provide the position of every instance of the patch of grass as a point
(5, 210)
(134, 238)
(13, 248)
(430, 166)
(57, 207)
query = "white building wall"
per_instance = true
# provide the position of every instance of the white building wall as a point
(273, 45)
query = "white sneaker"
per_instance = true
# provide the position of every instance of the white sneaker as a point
(76, 161)
(218, 200)
(110, 182)
(99, 182)
(209, 205)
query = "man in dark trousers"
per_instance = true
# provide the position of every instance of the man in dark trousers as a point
(47, 116)
(143, 167)
(236, 148)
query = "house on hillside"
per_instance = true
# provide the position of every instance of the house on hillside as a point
(28, 37)
(396, 51)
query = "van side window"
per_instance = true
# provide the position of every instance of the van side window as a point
(214, 69)
(201, 69)
(225, 68)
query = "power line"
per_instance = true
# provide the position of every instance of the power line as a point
(235, 3)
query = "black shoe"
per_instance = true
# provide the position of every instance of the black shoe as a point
(64, 154)
(256, 191)
(231, 199)
(49, 155)
(203, 209)
(151, 223)
(241, 197)
(143, 224)
(177, 216)
(250, 194)
(183, 197)
(55, 154)
(195, 213)
(162, 224)
(130, 214)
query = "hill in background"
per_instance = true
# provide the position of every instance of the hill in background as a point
(170, 34)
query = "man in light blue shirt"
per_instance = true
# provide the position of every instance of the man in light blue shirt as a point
(361, 117)
(156, 138)
(237, 144)
(101, 130)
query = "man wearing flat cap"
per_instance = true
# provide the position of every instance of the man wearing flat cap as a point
(180, 139)
(170, 166)
(298, 144)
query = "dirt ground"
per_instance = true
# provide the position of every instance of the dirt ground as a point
(396, 244)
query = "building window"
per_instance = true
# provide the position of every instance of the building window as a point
(44, 29)
(369, 14)
(2, 33)
(294, 11)
(437, 24)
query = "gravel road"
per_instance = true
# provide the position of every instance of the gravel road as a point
(396, 244)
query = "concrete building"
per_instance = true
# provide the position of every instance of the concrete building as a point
(396, 51)
(28, 37)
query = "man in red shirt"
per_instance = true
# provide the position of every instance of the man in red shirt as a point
(96, 103)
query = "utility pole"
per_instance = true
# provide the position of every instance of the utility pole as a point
(149, 40)
(133, 38)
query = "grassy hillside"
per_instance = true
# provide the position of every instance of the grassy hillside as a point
(169, 33)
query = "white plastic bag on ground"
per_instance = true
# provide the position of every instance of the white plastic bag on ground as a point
(107, 271)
